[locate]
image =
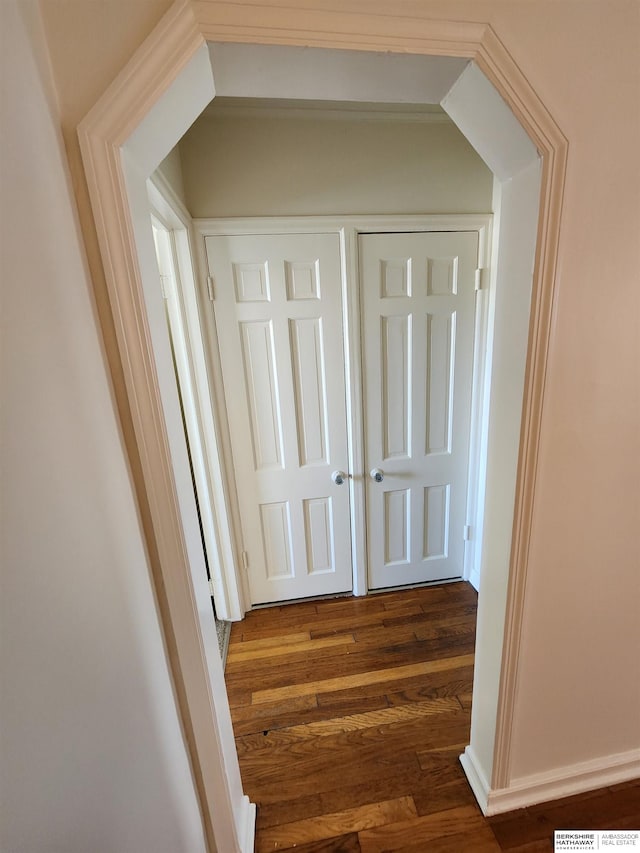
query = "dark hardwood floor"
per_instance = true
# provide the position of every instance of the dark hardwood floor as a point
(350, 715)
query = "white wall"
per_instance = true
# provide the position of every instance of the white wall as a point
(93, 757)
(265, 71)
(516, 204)
(261, 166)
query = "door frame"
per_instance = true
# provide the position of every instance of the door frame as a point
(348, 229)
(201, 420)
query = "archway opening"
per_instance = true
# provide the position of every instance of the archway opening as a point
(135, 152)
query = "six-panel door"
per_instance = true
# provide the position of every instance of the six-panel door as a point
(278, 310)
(418, 297)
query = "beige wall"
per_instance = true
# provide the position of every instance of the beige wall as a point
(578, 679)
(578, 686)
(261, 166)
(171, 170)
(93, 756)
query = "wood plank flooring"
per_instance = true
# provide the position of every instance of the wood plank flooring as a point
(350, 715)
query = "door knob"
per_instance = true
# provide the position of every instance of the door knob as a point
(338, 477)
(377, 474)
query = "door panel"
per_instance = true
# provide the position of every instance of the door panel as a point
(395, 341)
(418, 321)
(310, 390)
(260, 382)
(278, 310)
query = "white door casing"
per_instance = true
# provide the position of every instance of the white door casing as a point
(278, 311)
(418, 297)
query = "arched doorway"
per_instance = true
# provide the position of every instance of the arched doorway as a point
(126, 135)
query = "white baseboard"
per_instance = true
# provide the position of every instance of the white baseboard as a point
(476, 778)
(247, 826)
(563, 782)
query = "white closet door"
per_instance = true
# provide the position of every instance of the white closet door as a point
(278, 310)
(418, 324)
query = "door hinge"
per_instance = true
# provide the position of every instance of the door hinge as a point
(210, 289)
(245, 561)
(163, 286)
(481, 278)
(467, 532)
(211, 589)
